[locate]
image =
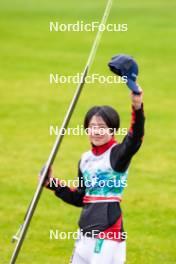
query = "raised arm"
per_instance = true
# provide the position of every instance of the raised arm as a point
(122, 153)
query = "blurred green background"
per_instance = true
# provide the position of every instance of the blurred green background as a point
(29, 105)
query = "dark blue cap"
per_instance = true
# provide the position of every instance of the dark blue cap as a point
(125, 65)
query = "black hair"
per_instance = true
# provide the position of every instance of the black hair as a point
(107, 113)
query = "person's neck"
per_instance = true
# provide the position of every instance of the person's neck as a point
(98, 150)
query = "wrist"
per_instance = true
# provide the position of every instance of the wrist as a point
(53, 184)
(137, 106)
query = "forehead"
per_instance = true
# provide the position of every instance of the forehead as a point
(98, 120)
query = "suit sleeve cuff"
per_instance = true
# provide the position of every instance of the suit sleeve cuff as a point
(53, 185)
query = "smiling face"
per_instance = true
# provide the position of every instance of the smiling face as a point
(99, 132)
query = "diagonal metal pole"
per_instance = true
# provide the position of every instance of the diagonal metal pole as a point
(24, 227)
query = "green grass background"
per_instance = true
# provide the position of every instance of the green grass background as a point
(29, 105)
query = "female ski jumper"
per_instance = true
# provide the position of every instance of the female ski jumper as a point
(102, 173)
